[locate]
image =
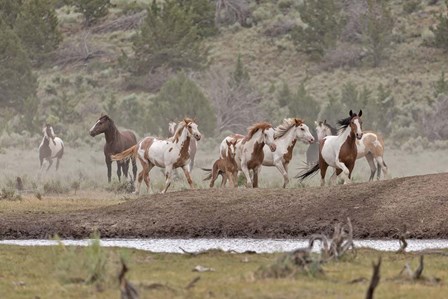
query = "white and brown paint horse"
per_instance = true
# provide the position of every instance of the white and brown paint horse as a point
(50, 148)
(285, 138)
(168, 153)
(226, 167)
(249, 150)
(172, 126)
(371, 146)
(339, 151)
(116, 142)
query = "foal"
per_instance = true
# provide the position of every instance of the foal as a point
(226, 167)
(339, 151)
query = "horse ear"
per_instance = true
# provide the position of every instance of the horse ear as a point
(228, 143)
(350, 113)
(360, 113)
(325, 122)
(102, 114)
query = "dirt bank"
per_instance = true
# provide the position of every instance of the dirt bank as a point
(377, 210)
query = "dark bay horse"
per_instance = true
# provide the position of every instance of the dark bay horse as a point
(116, 142)
(50, 147)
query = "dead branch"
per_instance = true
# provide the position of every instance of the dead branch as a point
(127, 290)
(193, 282)
(402, 240)
(123, 23)
(374, 280)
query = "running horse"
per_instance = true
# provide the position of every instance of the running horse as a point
(116, 142)
(339, 151)
(371, 146)
(249, 150)
(51, 147)
(172, 126)
(285, 138)
(168, 153)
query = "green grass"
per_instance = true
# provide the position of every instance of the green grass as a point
(27, 272)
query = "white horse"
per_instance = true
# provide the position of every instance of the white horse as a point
(51, 147)
(339, 151)
(370, 146)
(286, 136)
(172, 126)
(249, 150)
(168, 153)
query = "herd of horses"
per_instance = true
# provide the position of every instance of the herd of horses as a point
(263, 145)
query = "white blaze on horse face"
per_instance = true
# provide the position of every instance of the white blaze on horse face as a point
(93, 127)
(358, 128)
(268, 136)
(194, 131)
(304, 134)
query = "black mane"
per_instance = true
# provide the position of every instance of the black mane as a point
(344, 123)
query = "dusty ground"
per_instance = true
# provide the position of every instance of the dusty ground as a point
(377, 210)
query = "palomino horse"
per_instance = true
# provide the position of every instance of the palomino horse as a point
(50, 147)
(285, 139)
(226, 167)
(249, 150)
(339, 151)
(116, 142)
(168, 153)
(370, 146)
(312, 153)
(172, 126)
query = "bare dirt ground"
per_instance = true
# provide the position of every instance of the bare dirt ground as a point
(377, 210)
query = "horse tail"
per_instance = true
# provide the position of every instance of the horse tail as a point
(308, 173)
(126, 154)
(209, 174)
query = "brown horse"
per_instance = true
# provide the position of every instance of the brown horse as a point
(226, 167)
(116, 142)
(339, 151)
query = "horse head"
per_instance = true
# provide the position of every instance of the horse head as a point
(49, 133)
(101, 126)
(303, 131)
(231, 148)
(267, 134)
(172, 127)
(192, 129)
(323, 129)
(356, 123)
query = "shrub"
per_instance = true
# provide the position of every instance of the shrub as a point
(9, 10)
(411, 6)
(168, 37)
(435, 119)
(95, 260)
(93, 10)
(37, 27)
(55, 187)
(9, 194)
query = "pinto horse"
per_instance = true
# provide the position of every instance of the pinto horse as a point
(371, 146)
(116, 142)
(168, 153)
(172, 126)
(249, 150)
(285, 138)
(339, 151)
(50, 147)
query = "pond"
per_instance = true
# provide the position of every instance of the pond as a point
(235, 245)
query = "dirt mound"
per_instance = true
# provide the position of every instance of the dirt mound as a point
(377, 210)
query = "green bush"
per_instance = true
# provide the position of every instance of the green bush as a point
(37, 27)
(93, 10)
(178, 98)
(441, 32)
(168, 37)
(9, 10)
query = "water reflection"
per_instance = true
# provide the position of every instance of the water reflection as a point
(236, 245)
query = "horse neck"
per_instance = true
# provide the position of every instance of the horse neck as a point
(288, 139)
(256, 142)
(111, 134)
(346, 136)
(184, 140)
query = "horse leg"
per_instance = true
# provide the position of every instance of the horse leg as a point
(381, 165)
(125, 166)
(109, 169)
(146, 177)
(257, 171)
(224, 179)
(57, 163)
(246, 172)
(334, 177)
(168, 173)
(119, 166)
(215, 173)
(50, 160)
(323, 171)
(281, 168)
(369, 158)
(134, 167)
(186, 170)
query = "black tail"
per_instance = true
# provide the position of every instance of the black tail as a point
(308, 173)
(209, 174)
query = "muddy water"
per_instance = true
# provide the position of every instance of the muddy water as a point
(236, 245)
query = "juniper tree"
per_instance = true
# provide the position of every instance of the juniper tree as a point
(37, 27)
(168, 37)
(303, 105)
(93, 10)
